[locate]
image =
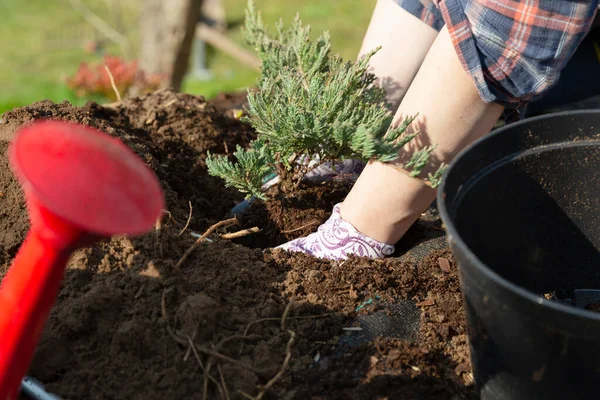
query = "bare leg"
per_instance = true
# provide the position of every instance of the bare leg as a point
(404, 41)
(385, 202)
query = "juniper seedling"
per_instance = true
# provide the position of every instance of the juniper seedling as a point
(310, 102)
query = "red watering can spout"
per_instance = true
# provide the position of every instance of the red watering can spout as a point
(81, 185)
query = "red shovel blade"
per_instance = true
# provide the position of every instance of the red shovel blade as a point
(86, 177)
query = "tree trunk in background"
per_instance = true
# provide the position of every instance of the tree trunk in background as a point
(167, 32)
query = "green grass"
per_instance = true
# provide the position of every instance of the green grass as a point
(42, 42)
(346, 20)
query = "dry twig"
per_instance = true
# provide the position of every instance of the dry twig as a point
(199, 360)
(163, 308)
(112, 83)
(223, 381)
(158, 230)
(230, 360)
(286, 363)
(218, 348)
(189, 349)
(169, 103)
(188, 220)
(285, 314)
(170, 216)
(215, 354)
(239, 234)
(210, 230)
(251, 324)
(224, 394)
(286, 360)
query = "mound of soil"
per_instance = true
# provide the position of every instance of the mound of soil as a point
(232, 320)
(226, 102)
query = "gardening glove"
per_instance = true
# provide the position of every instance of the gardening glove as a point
(346, 171)
(337, 239)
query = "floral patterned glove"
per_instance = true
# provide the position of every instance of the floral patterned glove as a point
(347, 171)
(337, 239)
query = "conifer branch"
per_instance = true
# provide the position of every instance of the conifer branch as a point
(310, 102)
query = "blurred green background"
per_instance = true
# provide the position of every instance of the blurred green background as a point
(43, 42)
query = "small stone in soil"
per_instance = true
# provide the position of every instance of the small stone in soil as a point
(444, 264)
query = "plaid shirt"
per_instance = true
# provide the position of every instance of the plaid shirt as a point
(513, 49)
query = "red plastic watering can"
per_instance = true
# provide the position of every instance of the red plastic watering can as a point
(81, 186)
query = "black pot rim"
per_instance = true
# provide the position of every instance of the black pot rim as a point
(454, 238)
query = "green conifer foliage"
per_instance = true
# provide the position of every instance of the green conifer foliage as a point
(310, 102)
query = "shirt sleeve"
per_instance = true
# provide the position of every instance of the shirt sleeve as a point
(514, 50)
(425, 10)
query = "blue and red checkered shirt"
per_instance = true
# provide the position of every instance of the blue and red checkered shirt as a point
(513, 50)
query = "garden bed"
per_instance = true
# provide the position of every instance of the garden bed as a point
(126, 314)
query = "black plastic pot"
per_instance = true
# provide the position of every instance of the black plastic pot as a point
(522, 212)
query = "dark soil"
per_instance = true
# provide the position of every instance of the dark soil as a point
(288, 216)
(593, 307)
(128, 324)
